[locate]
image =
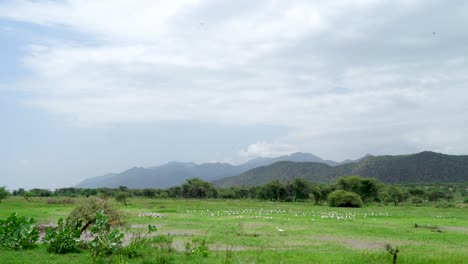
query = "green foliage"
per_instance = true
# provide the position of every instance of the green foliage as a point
(367, 188)
(63, 239)
(417, 200)
(274, 191)
(393, 250)
(197, 188)
(197, 247)
(121, 197)
(3, 193)
(107, 240)
(164, 250)
(342, 198)
(28, 195)
(138, 243)
(395, 195)
(18, 232)
(84, 214)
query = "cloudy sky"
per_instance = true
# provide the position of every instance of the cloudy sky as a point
(91, 87)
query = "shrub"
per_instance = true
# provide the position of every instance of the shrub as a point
(197, 247)
(106, 241)
(63, 239)
(121, 197)
(341, 198)
(417, 200)
(18, 232)
(138, 242)
(3, 193)
(84, 214)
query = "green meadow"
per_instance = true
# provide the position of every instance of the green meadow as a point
(251, 231)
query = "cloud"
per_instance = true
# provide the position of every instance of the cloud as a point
(356, 76)
(264, 149)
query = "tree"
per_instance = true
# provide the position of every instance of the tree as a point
(342, 198)
(121, 197)
(367, 188)
(197, 188)
(274, 191)
(300, 189)
(3, 193)
(395, 195)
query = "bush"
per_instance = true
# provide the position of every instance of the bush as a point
(106, 241)
(18, 232)
(84, 214)
(3, 193)
(63, 239)
(341, 198)
(138, 243)
(417, 200)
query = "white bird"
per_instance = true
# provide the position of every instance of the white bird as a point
(279, 229)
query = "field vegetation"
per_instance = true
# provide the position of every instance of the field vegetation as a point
(280, 225)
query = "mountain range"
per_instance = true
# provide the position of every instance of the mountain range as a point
(176, 173)
(422, 167)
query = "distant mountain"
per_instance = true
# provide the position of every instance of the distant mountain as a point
(175, 173)
(422, 167)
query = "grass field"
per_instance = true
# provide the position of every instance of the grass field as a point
(243, 231)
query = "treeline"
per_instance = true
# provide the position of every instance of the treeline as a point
(348, 191)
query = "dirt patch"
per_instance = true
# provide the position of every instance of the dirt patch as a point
(179, 245)
(145, 226)
(353, 242)
(183, 232)
(454, 228)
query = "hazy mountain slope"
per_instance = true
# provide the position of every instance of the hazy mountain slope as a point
(421, 167)
(175, 173)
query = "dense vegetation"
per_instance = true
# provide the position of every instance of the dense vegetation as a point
(369, 190)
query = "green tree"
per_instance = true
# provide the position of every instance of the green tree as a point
(121, 197)
(197, 188)
(300, 189)
(342, 198)
(367, 188)
(3, 193)
(274, 191)
(395, 194)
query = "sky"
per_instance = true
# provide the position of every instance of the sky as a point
(92, 87)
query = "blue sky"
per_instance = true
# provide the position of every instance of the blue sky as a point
(88, 88)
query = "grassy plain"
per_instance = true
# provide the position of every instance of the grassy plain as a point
(246, 231)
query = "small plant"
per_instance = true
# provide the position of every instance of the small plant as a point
(107, 241)
(18, 232)
(63, 239)
(197, 248)
(393, 250)
(164, 250)
(138, 242)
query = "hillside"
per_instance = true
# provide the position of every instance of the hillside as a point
(175, 173)
(421, 167)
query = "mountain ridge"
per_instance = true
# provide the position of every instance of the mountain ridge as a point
(425, 166)
(175, 173)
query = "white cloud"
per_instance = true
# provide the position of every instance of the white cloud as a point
(264, 149)
(329, 71)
